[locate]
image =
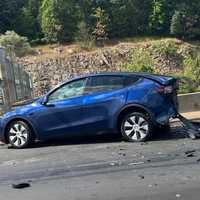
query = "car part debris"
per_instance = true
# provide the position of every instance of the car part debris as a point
(141, 176)
(178, 196)
(20, 185)
(190, 151)
(192, 130)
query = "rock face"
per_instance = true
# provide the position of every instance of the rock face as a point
(47, 73)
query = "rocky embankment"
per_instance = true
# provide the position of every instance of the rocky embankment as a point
(50, 71)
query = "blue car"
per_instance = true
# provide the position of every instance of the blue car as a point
(130, 104)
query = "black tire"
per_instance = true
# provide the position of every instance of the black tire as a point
(136, 127)
(19, 134)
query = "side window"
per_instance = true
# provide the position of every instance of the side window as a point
(72, 89)
(130, 80)
(106, 83)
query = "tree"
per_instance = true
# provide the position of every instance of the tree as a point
(14, 42)
(9, 12)
(127, 18)
(162, 12)
(177, 24)
(186, 20)
(100, 32)
(84, 37)
(59, 19)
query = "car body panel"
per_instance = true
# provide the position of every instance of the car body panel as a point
(94, 113)
(99, 109)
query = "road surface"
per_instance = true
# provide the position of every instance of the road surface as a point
(104, 168)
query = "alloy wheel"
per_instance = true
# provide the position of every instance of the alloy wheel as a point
(18, 134)
(136, 127)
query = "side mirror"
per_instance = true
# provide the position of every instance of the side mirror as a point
(44, 100)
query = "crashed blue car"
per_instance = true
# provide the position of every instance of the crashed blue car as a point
(130, 104)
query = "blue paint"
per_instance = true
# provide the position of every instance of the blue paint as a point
(94, 113)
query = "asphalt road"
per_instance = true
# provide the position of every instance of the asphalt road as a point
(104, 168)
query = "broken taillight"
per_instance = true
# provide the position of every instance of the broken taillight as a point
(165, 89)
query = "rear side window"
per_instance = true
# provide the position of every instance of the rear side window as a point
(106, 83)
(130, 80)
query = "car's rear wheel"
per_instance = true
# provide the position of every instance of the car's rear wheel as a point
(136, 127)
(19, 134)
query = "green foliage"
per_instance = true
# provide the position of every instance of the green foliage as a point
(27, 25)
(9, 13)
(186, 85)
(84, 37)
(192, 68)
(185, 22)
(13, 42)
(177, 24)
(100, 32)
(127, 18)
(166, 48)
(157, 17)
(162, 11)
(58, 20)
(140, 61)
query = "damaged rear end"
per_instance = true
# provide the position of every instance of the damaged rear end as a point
(166, 88)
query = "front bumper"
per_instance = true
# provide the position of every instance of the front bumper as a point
(2, 136)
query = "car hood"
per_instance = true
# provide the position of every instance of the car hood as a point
(24, 109)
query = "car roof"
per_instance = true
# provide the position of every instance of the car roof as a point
(107, 74)
(158, 78)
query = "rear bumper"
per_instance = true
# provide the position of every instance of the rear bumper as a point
(163, 118)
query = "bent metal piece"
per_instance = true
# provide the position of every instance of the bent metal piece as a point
(192, 130)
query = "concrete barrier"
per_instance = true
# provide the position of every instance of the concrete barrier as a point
(189, 102)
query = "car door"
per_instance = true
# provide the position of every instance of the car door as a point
(107, 96)
(63, 112)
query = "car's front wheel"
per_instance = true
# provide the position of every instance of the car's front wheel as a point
(19, 134)
(136, 127)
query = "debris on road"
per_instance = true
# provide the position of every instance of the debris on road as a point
(148, 160)
(141, 176)
(178, 195)
(190, 153)
(122, 154)
(20, 185)
(136, 163)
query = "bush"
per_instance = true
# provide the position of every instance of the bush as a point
(186, 85)
(185, 22)
(140, 61)
(166, 48)
(84, 38)
(192, 68)
(16, 43)
(177, 24)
